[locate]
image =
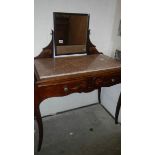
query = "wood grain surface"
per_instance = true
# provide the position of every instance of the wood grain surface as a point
(51, 68)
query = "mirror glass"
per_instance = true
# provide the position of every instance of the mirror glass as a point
(70, 33)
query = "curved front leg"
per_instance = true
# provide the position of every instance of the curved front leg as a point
(40, 127)
(38, 116)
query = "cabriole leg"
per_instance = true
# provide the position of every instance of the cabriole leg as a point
(38, 117)
(40, 127)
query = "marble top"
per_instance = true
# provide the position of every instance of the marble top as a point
(54, 67)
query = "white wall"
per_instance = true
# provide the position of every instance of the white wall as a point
(109, 98)
(110, 95)
(102, 22)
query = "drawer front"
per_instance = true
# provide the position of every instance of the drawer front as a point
(63, 89)
(81, 85)
(107, 81)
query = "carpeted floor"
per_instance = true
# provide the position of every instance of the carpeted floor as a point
(85, 131)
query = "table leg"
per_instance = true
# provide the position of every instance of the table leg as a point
(99, 95)
(117, 109)
(40, 127)
(38, 116)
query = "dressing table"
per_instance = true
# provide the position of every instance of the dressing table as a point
(61, 76)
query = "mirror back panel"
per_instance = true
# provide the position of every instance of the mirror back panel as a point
(70, 33)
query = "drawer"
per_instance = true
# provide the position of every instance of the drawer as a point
(77, 86)
(63, 89)
(107, 81)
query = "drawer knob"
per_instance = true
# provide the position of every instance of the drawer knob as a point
(66, 89)
(113, 80)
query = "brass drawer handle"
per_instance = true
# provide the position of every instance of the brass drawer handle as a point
(113, 80)
(66, 89)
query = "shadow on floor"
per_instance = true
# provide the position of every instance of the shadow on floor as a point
(85, 131)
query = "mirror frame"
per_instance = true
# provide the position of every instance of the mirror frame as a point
(87, 35)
